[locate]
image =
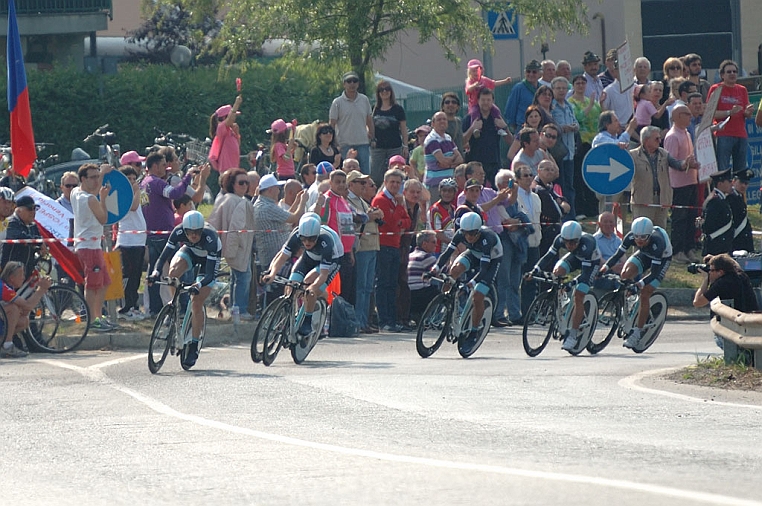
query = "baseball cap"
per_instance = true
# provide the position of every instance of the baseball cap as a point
(27, 201)
(223, 111)
(473, 182)
(423, 128)
(533, 65)
(349, 75)
(323, 168)
(269, 181)
(472, 64)
(354, 175)
(279, 126)
(396, 160)
(131, 157)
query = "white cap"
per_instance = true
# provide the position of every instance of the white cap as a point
(268, 182)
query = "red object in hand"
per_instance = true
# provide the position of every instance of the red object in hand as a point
(238, 84)
(293, 123)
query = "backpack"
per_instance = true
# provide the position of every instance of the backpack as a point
(343, 321)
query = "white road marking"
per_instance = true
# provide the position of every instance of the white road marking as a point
(96, 375)
(633, 383)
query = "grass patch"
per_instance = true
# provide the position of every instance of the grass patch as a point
(712, 371)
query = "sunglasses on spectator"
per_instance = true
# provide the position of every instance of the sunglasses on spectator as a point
(325, 131)
(532, 71)
(675, 67)
(550, 136)
(242, 182)
(352, 80)
(448, 102)
(381, 90)
(731, 71)
(69, 185)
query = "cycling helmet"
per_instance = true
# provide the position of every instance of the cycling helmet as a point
(470, 222)
(571, 231)
(312, 215)
(7, 194)
(448, 183)
(193, 221)
(309, 227)
(642, 227)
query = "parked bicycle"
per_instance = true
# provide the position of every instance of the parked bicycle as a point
(448, 317)
(550, 315)
(164, 338)
(618, 314)
(190, 150)
(108, 150)
(280, 321)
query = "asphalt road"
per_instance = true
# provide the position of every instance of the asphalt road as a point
(366, 421)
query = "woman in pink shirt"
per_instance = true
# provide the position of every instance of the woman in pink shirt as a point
(225, 152)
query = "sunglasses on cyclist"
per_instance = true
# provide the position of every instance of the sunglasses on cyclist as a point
(641, 237)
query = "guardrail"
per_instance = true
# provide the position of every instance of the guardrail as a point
(741, 332)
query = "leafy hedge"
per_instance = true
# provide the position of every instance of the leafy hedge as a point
(68, 105)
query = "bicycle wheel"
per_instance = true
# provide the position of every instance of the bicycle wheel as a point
(277, 330)
(187, 339)
(161, 337)
(609, 316)
(657, 315)
(434, 326)
(300, 350)
(539, 324)
(258, 340)
(466, 346)
(59, 322)
(587, 326)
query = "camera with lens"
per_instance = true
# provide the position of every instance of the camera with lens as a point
(695, 268)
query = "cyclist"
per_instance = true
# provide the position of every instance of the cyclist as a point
(483, 248)
(583, 253)
(192, 243)
(654, 253)
(317, 266)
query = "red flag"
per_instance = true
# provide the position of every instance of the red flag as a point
(22, 136)
(65, 258)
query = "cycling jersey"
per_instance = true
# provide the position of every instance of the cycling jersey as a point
(487, 252)
(655, 255)
(327, 250)
(586, 256)
(205, 253)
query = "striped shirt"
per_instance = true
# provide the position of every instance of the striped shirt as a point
(419, 263)
(434, 172)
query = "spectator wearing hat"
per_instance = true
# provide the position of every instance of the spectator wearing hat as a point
(417, 157)
(441, 155)
(469, 202)
(21, 225)
(742, 236)
(390, 127)
(325, 149)
(476, 81)
(134, 160)
(607, 77)
(351, 116)
(592, 63)
(522, 95)
(366, 246)
(734, 106)
(282, 149)
(450, 106)
(717, 216)
(225, 152)
(684, 184)
(320, 186)
(483, 135)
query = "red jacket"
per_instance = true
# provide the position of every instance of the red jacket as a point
(395, 219)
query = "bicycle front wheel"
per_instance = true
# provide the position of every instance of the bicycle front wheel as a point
(277, 331)
(466, 346)
(300, 350)
(260, 332)
(60, 320)
(188, 337)
(539, 324)
(657, 315)
(161, 337)
(588, 324)
(609, 316)
(433, 327)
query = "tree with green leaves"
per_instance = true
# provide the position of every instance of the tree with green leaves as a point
(362, 31)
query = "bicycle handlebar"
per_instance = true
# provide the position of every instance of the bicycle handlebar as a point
(98, 132)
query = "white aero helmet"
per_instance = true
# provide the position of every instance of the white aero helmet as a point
(7, 194)
(571, 231)
(309, 226)
(642, 227)
(470, 222)
(193, 220)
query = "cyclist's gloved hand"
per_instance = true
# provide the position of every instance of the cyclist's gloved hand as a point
(604, 269)
(194, 288)
(433, 271)
(154, 277)
(471, 284)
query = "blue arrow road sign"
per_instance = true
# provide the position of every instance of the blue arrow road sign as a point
(608, 169)
(119, 198)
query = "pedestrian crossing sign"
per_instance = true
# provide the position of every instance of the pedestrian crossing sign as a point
(503, 25)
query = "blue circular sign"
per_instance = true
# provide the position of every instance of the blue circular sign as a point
(608, 169)
(119, 198)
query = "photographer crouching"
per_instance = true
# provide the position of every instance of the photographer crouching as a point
(724, 279)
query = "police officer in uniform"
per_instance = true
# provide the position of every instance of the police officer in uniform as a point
(742, 237)
(717, 217)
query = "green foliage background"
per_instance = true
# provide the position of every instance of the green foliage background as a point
(67, 105)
